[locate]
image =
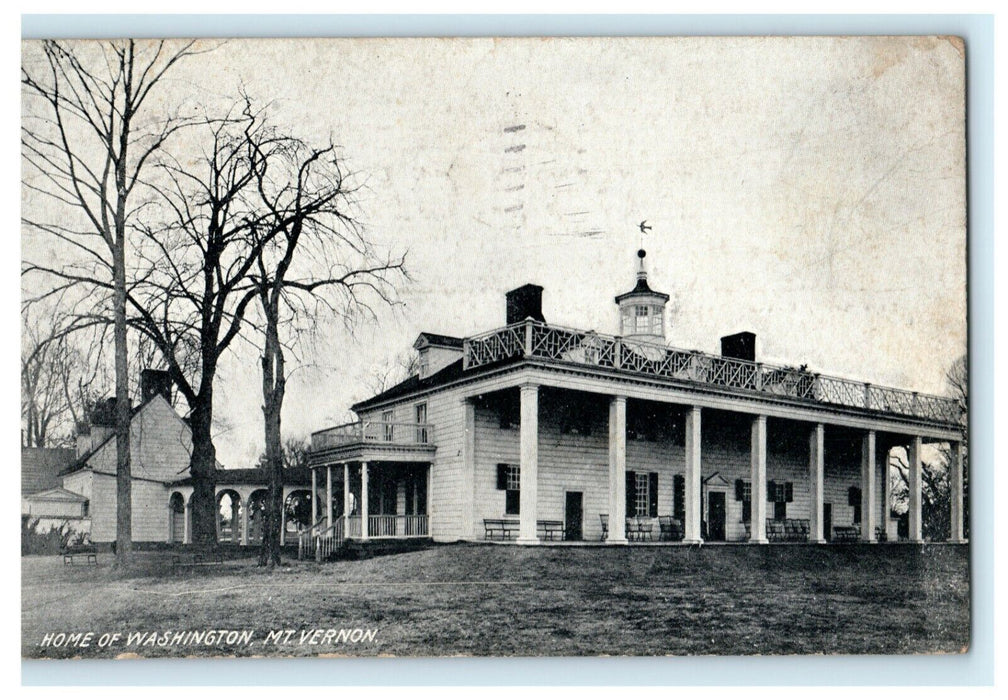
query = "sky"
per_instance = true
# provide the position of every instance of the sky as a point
(810, 190)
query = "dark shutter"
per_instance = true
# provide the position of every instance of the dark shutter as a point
(788, 492)
(653, 495)
(512, 502)
(746, 511)
(771, 490)
(631, 494)
(502, 477)
(853, 496)
(739, 490)
(679, 497)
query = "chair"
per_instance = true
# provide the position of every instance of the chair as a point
(605, 526)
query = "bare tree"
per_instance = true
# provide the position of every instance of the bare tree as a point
(86, 143)
(317, 262)
(194, 284)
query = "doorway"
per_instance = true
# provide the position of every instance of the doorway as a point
(716, 516)
(574, 516)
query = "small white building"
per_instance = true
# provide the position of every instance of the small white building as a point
(533, 432)
(84, 493)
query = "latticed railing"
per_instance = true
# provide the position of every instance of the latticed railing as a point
(373, 431)
(532, 339)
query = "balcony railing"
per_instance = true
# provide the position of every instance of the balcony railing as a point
(532, 339)
(378, 432)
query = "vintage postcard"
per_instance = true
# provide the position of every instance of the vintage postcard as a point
(494, 347)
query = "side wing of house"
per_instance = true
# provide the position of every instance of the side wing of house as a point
(160, 446)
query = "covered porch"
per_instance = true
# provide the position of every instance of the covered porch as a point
(374, 484)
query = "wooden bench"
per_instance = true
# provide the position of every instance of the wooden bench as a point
(638, 529)
(671, 528)
(198, 560)
(90, 557)
(787, 530)
(846, 533)
(550, 529)
(499, 529)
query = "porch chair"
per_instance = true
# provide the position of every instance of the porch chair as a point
(605, 526)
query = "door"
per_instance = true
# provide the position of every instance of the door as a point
(716, 516)
(574, 516)
(827, 521)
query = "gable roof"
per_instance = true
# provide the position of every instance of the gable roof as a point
(413, 384)
(41, 467)
(57, 494)
(437, 340)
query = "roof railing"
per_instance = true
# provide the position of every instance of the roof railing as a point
(377, 432)
(537, 340)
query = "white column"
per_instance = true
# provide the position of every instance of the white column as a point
(757, 530)
(529, 465)
(868, 507)
(283, 517)
(617, 470)
(468, 469)
(958, 531)
(328, 517)
(245, 518)
(364, 500)
(346, 499)
(816, 477)
(187, 536)
(692, 478)
(314, 498)
(916, 477)
(887, 500)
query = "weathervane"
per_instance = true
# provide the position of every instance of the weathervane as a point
(644, 228)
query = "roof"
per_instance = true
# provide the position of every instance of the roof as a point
(57, 494)
(444, 341)
(41, 467)
(296, 476)
(642, 289)
(82, 461)
(414, 384)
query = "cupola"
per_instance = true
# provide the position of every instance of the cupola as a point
(642, 310)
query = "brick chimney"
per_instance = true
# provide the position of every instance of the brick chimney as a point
(524, 302)
(739, 346)
(153, 382)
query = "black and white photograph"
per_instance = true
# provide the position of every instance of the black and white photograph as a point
(494, 347)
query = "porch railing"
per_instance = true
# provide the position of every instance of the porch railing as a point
(381, 432)
(533, 339)
(397, 526)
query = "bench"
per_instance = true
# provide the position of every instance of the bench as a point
(198, 560)
(550, 529)
(671, 528)
(499, 529)
(787, 530)
(880, 534)
(846, 533)
(90, 557)
(637, 529)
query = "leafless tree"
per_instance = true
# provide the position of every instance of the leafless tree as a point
(87, 140)
(317, 262)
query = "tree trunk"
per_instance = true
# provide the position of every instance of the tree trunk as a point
(273, 392)
(203, 470)
(124, 498)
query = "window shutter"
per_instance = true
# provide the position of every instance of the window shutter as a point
(501, 477)
(679, 496)
(739, 490)
(853, 496)
(771, 490)
(653, 494)
(788, 492)
(631, 494)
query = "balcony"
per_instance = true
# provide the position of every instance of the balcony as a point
(358, 440)
(535, 340)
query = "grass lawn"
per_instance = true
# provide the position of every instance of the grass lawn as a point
(498, 600)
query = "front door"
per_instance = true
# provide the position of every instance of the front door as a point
(573, 516)
(827, 521)
(716, 516)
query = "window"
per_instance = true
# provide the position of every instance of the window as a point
(743, 494)
(509, 481)
(86, 509)
(386, 419)
(780, 510)
(642, 494)
(421, 419)
(641, 322)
